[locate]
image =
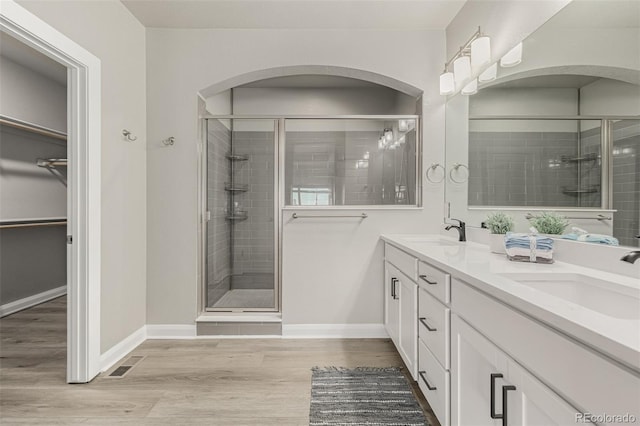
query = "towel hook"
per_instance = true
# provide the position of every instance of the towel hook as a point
(130, 137)
(432, 169)
(455, 168)
(169, 141)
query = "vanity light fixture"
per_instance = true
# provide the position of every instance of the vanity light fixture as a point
(447, 83)
(489, 74)
(470, 58)
(512, 57)
(471, 88)
(480, 52)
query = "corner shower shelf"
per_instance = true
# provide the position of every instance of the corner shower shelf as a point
(236, 187)
(574, 191)
(587, 157)
(238, 216)
(237, 157)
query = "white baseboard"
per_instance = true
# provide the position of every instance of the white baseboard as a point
(36, 299)
(117, 352)
(334, 331)
(171, 331)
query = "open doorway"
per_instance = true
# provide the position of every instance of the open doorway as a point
(78, 262)
(33, 208)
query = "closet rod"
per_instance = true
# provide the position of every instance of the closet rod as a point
(30, 127)
(31, 223)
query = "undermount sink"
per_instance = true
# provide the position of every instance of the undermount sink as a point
(435, 241)
(608, 298)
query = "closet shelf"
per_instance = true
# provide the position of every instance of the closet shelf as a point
(30, 127)
(31, 223)
(237, 157)
(236, 187)
(587, 157)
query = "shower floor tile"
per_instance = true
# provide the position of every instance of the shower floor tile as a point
(246, 298)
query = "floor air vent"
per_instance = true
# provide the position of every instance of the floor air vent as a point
(125, 367)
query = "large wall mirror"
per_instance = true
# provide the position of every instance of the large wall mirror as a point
(558, 132)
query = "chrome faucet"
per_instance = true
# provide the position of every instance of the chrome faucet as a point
(462, 230)
(631, 257)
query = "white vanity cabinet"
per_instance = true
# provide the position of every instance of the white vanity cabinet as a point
(401, 306)
(460, 333)
(489, 388)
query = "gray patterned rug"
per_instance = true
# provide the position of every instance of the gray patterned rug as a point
(363, 396)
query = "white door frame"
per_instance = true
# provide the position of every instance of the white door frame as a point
(83, 193)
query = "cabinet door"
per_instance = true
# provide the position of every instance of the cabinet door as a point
(391, 302)
(473, 360)
(534, 404)
(408, 347)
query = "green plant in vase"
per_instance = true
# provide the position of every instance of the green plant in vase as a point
(549, 223)
(499, 224)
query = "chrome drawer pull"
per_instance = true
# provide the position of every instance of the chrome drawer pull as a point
(424, 379)
(424, 278)
(424, 322)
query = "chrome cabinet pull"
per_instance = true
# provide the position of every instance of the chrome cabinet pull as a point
(424, 379)
(424, 278)
(424, 322)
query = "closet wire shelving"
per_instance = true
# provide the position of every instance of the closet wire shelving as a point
(51, 164)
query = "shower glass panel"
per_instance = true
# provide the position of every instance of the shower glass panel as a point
(533, 162)
(350, 162)
(241, 272)
(626, 181)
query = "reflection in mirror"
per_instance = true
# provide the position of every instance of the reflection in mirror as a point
(560, 131)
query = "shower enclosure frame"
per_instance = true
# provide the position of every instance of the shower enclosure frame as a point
(279, 196)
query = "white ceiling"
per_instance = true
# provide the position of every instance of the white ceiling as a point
(566, 81)
(24, 55)
(295, 14)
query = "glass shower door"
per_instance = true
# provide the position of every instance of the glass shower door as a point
(242, 231)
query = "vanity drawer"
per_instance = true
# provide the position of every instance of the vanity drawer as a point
(434, 326)
(406, 263)
(433, 381)
(435, 281)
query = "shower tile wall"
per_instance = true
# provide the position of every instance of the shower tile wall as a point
(626, 181)
(253, 248)
(522, 168)
(218, 228)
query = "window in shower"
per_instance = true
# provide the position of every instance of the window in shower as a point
(351, 162)
(241, 260)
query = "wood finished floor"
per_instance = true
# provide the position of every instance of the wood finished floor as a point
(179, 382)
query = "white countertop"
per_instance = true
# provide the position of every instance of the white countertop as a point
(476, 265)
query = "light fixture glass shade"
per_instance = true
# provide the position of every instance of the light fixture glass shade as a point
(513, 57)
(447, 84)
(471, 88)
(480, 53)
(489, 74)
(462, 69)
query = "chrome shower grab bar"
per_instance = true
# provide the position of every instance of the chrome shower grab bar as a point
(598, 217)
(359, 216)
